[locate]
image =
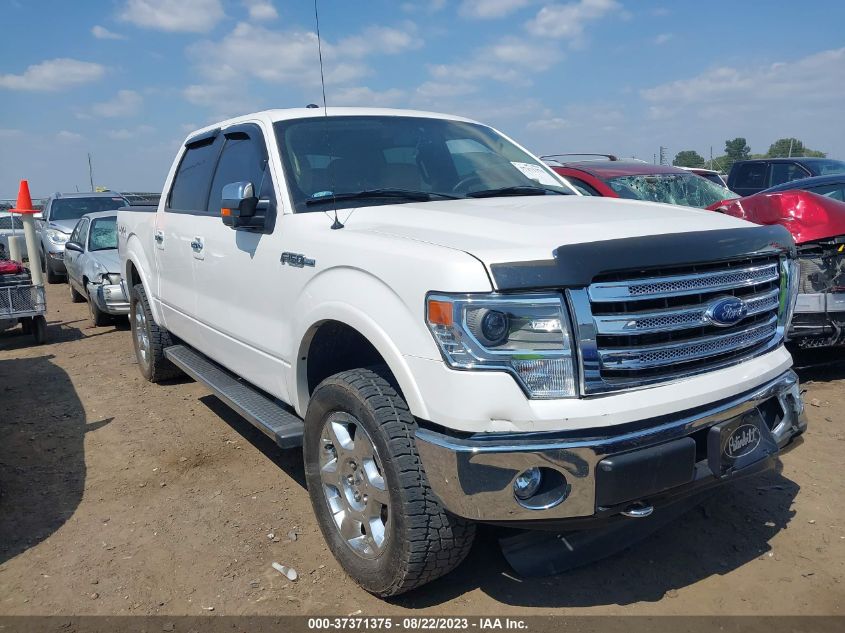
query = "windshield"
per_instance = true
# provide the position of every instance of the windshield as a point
(685, 189)
(75, 208)
(328, 157)
(824, 167)
(103, 234)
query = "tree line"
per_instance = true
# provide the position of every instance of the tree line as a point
(738, 149)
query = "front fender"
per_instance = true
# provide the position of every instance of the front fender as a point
(367, 304)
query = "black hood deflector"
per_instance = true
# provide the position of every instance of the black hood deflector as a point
(576, 265)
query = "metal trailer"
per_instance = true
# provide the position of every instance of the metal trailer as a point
(23, 302)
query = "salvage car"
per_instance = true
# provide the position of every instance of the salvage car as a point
(55, 223)
(10, 225)
(638, 180)
(813, 211)
(93, 267)
(748, 177)
(453, 335)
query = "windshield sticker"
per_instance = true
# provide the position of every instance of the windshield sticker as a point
(322, 194)
(535, 172)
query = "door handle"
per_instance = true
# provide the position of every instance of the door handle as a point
(159, 236)
(196, 244)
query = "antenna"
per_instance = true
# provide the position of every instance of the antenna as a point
(90, 171)
(337, 223)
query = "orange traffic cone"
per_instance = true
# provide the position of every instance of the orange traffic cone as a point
(24, 203)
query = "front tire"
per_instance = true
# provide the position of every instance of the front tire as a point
(75, 296)
(149, 339)
(98, 317)
(369, 491)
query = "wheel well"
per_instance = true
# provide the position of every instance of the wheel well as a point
(336, 347)
(132, 277)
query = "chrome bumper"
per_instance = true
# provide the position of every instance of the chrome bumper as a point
(473, 477)
(110, 298)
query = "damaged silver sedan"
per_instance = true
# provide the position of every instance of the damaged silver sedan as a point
(93, 267)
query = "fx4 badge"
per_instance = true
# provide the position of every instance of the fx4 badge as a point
(297, 260)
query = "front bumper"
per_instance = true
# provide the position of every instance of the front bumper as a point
(668, 456)
(56, 259)
(110, 298)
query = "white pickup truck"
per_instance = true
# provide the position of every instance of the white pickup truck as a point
(455, 336)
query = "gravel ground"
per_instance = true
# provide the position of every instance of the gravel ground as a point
(122, 497)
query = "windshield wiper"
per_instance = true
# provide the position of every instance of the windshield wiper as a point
(516, 190)
(401, 194)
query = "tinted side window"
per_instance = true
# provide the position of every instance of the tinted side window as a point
(80, 233)
(193, 178)
(583, 187)
(244, 158)
(835, 191)
(751, 175)
(786, 172)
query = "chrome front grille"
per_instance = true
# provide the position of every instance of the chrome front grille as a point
(640, 328)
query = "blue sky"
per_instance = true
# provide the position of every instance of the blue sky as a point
(127, 79)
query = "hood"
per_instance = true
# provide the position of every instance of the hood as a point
(807, 216)
(530, 228)
(65, 226)
(108, 259)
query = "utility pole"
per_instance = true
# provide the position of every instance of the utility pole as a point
(90, 171)
(711, 157)
(663, 155)
(791, 140)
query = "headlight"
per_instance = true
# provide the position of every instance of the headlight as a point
(111, 278)
(790, 274)
(527, 336)
(56, 236)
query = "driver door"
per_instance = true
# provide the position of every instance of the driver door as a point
(73, 258)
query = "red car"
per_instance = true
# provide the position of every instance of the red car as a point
(815, 216)
(637, 180)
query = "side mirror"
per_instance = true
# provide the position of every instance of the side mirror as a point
(238, 205)
(73, 246)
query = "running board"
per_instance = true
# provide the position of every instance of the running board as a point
(267, 415)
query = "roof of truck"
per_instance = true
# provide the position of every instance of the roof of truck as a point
(284, 114)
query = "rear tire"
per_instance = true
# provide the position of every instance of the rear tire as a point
(149, 339)
(375, 508)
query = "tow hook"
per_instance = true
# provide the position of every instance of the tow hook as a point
(638, 510)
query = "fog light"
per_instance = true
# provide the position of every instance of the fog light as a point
(527, 483)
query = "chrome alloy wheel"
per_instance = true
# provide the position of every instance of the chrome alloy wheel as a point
(142, 337)
(353, 484)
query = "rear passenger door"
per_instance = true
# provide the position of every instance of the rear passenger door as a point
(750, 178)
(241, 296)
(185, 209)
(781, 172)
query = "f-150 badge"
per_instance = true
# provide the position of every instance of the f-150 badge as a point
(297, 260)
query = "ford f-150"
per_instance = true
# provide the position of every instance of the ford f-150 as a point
(453, 334)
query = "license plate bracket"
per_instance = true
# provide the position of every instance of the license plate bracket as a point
(739, 442)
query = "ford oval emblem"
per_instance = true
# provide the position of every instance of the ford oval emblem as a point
(744, 439)
(727, 311)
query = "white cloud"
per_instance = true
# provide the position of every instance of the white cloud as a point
(191, 16)
(379, 39)
(261, 10)
(10, 133)
(548, 125)
(54, 75)
(663, 38)
(489, 9)
(364, 96)
(125, 103)
(431, 90)
(102, 33)
(432, 6)
(69, 137)
(510, 60)
(124, 134)
(567, 21)
(817, 80)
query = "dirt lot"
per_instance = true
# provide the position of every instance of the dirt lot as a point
(122, 497)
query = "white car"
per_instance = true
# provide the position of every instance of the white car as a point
(454, 335)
